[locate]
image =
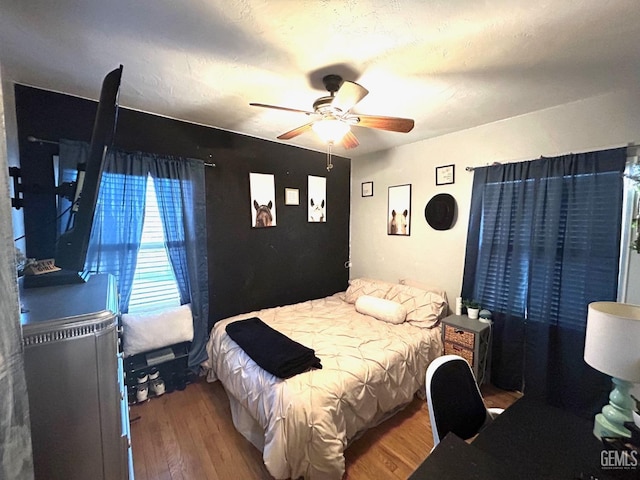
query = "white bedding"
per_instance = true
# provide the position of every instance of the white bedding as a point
(370, 368)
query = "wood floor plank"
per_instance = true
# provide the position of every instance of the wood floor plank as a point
(195, 461)
(189, 434)
(148, 447)
(169, 441)
(227, 456)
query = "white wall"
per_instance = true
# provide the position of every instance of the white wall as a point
(15, 427)
(437, 257)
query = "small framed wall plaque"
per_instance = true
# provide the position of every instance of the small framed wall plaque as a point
(445, 175)
(291, 196)
(367, 189)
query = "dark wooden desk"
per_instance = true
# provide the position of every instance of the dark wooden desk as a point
(530, 440)
(454, 459)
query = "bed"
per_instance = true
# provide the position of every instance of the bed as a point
(374, 340)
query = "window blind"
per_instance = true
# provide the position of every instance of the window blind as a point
(543, 264)
(154, 284)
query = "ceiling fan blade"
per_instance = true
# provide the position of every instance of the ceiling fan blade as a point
(295, 132)
(348, 95)
(275, 107)
(350, 140)
(392, 124)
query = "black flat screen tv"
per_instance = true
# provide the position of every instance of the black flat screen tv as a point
(72, 245)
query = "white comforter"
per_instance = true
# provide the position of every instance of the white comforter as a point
(370, 368)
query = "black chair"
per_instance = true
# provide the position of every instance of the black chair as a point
(454, 399)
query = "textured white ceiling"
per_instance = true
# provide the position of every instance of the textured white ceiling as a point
(449, 64)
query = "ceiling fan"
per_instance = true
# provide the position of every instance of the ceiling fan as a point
(334, 117)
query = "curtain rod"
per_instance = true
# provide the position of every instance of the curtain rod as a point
(471, 169)
(33, 139)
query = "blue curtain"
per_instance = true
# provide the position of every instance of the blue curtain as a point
(119, 215)
(119, 218)
(180, 191)
(543, 242)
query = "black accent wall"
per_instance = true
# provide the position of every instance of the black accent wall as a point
(249, 268)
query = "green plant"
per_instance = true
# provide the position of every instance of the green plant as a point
(637, 403)
(470, 304)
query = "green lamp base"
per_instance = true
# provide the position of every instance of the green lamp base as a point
(610, 423)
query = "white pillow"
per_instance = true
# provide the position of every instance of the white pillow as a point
(423, 286)
(385, 310)
(366, 286)
(424, 309)
(142, 333)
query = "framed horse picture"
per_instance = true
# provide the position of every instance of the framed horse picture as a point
(399, 210)
(317, 204)
(262, 203)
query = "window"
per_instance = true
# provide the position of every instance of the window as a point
(543, 242)
(547, 255)
(502, 250)
(154, 284)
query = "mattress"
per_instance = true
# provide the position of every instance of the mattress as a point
(370, 369)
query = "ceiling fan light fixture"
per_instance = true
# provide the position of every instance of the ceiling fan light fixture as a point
(334, 116)
(331, 130)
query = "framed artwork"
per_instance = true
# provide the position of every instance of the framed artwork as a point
(291, 196)
(263, 200)
(445, 175)
(317, 199)
(367, 189)
(399, 210)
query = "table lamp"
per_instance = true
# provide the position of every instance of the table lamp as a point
(612, 346)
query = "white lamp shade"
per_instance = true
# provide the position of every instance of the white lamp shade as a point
(330, 130)
(612, 344)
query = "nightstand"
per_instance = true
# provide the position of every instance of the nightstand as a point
(470, 339)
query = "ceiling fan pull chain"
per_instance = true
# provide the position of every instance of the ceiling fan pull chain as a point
(329, 164)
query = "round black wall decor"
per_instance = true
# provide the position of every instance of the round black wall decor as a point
(440, 212)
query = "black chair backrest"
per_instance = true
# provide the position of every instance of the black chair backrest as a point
(457, 404)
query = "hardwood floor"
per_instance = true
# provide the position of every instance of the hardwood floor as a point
(189, 435)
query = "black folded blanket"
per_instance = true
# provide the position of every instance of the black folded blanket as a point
(272, 350)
